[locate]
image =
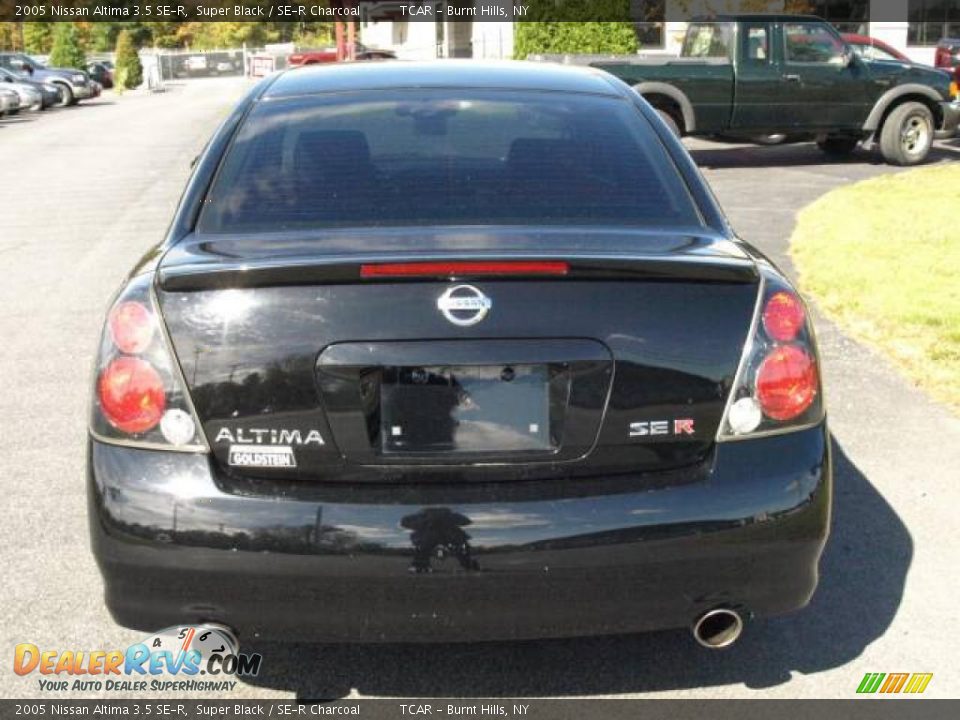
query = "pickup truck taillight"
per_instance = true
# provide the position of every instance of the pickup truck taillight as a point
(777, 386)
(139, 395)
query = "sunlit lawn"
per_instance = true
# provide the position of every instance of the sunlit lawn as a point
(882, 257)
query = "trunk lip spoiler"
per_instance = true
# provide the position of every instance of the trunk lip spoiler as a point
(346, 269)
(201, 261)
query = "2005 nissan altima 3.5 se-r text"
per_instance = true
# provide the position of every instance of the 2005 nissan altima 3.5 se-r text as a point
(455, 352)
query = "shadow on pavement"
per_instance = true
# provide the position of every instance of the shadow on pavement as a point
(862, 580)
(802, 154)
(19, 119)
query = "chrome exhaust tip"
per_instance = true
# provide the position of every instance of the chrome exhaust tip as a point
(718, 628)
(227, 633)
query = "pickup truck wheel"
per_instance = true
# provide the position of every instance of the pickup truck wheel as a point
(671, 123)
(66, 96)
(907, 134)
(838, 146)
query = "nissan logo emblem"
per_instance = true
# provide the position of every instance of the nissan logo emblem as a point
(464, 305)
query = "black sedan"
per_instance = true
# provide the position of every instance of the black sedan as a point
(455, 351)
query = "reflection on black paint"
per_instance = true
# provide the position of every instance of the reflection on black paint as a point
(436, 532)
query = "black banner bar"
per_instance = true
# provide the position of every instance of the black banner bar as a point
(491, 709)
(636, 11)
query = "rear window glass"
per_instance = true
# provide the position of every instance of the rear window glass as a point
(441, 157)
(708, 40)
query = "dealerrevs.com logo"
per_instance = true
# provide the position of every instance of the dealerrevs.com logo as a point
(894, 683)
(183, 658)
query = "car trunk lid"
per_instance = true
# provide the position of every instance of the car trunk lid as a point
(302, 365)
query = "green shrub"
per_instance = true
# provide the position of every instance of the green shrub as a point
(129, 72)
(580, 34)
(66, 51)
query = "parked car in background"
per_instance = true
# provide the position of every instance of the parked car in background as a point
(312, 57)
(948, 53)
(9, 102)
(374, 54)
(196, 65)
(329, 55)
(101, 73)
(31, 98)
(74, 84)
(872, 49)
(49, 93)
(753, 75)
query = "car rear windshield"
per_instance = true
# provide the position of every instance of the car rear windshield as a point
(431, 157)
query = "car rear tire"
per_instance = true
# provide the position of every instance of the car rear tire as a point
(838, 146)
(66, 96)
(907, 134)
(670, 121)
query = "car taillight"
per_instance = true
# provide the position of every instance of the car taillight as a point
(783, 316)
(132, 396)
(777, 386)
(131, 327)
(786, 382)
(140, 397)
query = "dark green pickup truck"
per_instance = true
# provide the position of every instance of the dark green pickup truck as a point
(760, 75)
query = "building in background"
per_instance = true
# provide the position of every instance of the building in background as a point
(912, 26)
(386, 25)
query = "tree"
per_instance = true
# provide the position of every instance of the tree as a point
(161, 34)
(10, 35)
(66, 51)
(129, 70)
(37, 37)
(103, 35)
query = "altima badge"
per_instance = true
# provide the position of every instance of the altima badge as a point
(464, 305)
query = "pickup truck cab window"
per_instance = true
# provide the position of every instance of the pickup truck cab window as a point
(812, 43)
(705, 40)
(757, 49)
(872, 52)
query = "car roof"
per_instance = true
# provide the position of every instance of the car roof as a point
(502, 75)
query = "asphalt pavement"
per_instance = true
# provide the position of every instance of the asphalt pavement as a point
(89, 189)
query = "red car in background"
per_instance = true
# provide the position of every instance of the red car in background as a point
(312, 57)
(329, 55)
(873, 49)
(948, 53)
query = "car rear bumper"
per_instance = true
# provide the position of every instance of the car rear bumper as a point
(176, 543)
(951, 120)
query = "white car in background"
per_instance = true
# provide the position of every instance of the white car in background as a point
(9, 102)
(30, 94)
